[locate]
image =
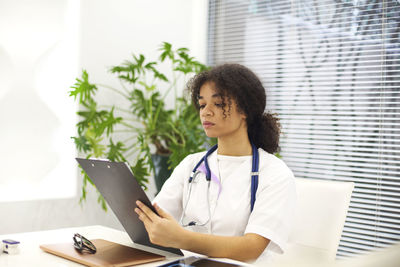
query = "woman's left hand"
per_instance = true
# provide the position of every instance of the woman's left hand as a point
(162, 229)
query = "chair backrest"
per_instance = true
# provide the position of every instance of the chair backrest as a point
(319, 219)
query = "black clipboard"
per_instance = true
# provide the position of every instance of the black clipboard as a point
(117, 184)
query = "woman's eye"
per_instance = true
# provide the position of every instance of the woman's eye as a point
(220, 105)
(201, 106)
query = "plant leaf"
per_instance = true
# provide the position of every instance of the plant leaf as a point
(83, 88)
(167, 52)
(81, 143)
(115, 151)
(107, 123)
(141, 172)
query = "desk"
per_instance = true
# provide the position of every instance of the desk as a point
(31, 255)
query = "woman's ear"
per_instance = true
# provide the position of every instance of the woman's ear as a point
(243, 115)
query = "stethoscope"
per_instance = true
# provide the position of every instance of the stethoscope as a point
(254, 183)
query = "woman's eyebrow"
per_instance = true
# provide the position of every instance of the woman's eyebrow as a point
(214, 95)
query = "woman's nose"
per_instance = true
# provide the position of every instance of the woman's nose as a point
(206, 111)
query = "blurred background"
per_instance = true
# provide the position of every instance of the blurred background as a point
(44, 45)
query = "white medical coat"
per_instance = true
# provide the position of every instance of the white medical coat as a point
(230, 209)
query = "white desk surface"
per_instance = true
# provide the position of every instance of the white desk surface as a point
(31, 255)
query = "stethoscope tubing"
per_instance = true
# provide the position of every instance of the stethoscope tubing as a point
(194, 173)
(192, 223)
(254, 176)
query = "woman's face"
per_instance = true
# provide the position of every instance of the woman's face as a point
(214, 121)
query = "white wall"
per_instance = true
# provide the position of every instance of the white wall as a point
(116, 30)
(109, 32)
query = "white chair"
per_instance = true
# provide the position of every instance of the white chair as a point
(319, 219)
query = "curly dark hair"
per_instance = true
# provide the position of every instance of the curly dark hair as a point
(234, 81)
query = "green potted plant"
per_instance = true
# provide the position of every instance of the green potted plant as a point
(157, 135)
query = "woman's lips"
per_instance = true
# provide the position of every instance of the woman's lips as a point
(207, 124)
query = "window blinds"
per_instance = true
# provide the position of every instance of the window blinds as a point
(332, 72)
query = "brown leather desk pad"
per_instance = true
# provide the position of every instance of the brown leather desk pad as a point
(108, 254)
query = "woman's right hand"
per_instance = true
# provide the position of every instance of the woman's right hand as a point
(163, 229)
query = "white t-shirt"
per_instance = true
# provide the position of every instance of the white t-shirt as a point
(230, 207)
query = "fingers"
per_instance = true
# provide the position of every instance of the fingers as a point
(161, 212)
(142, 216)
(161, 228)
(147, 211)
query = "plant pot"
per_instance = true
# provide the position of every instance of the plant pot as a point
(161, 171)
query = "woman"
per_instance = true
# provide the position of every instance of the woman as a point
(219, 217)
